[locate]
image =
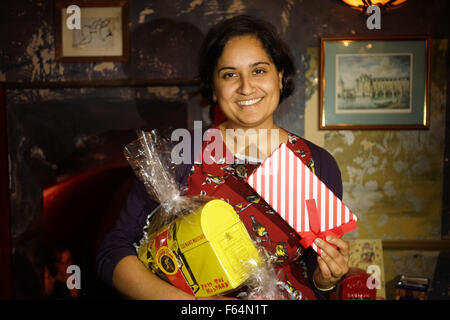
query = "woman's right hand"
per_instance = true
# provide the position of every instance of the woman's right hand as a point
(134, 281)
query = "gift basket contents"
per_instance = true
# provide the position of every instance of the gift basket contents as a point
(198, 244)
(206, 252)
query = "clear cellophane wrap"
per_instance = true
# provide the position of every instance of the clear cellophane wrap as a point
(150, 159)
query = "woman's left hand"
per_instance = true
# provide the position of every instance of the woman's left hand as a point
(332, 264)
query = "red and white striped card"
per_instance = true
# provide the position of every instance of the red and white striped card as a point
(300, 198)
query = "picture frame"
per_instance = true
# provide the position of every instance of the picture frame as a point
(371, 83)
(102, 34)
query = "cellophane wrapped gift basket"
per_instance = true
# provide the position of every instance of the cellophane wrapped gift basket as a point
(198, 244)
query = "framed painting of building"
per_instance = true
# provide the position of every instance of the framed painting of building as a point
(374, 83)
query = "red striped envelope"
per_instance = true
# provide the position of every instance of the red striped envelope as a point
(300, 198)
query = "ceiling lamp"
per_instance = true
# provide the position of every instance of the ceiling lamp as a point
(362, 5)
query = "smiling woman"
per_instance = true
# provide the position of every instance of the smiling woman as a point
(247, 70)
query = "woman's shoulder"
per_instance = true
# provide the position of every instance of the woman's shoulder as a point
(318, 153)
(325, 165)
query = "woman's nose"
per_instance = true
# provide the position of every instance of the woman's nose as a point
(246, 86)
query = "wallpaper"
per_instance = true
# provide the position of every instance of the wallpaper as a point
(393, 180)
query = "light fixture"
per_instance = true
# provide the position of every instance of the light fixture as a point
(362, 5)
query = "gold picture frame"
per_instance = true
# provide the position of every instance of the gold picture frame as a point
(374, 82)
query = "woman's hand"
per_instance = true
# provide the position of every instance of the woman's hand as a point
(332, 264)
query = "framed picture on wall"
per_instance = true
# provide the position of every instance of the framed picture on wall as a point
(91, 31)
(374, 83)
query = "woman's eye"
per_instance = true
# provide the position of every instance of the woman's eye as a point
(259, 71)
(229, 75)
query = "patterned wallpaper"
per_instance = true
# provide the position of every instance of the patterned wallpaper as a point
(393, 180)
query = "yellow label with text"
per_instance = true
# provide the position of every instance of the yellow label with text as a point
(211, 247)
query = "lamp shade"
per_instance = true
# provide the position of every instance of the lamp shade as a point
(363, 4)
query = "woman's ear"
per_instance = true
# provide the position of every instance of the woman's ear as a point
(214, 97)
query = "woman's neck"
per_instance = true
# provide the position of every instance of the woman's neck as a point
(253, 142)
(268, 124)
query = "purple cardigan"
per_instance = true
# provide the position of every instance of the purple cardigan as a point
(128, 229)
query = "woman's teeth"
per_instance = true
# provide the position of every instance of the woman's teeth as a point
(249, 102)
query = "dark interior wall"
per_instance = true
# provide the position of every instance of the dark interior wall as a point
(165, 37)
(55, 134)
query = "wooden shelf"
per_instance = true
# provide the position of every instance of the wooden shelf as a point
(432, 245)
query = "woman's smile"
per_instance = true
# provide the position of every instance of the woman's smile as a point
(244, 104)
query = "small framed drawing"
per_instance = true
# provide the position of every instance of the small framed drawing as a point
(374, 83)
(94, 30)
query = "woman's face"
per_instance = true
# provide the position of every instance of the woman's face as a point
(247, 84)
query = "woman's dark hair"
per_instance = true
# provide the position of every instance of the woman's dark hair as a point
(241, 25)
